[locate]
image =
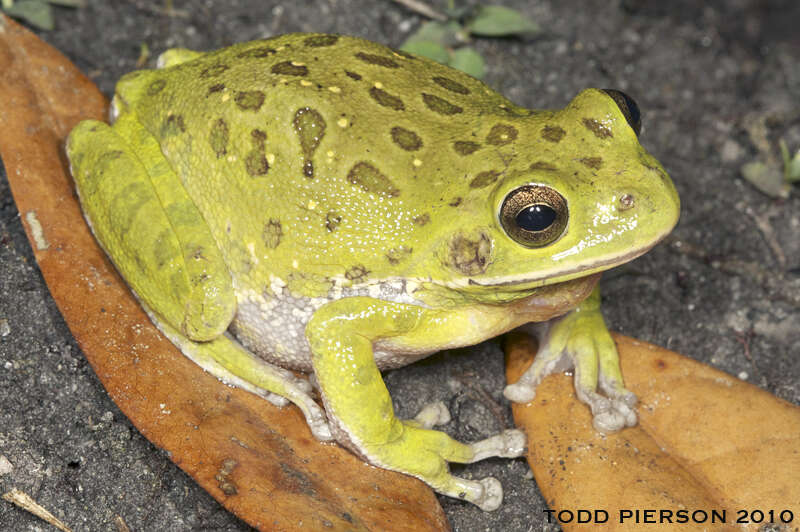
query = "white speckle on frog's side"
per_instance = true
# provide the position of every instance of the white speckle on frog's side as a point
(36, 231)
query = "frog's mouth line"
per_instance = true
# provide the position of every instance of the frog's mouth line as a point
(527, 283)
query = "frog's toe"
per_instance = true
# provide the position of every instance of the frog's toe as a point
(318, 424)
(520, 392)
(432, 415)
(610, 414)
(614, 419)
(492, 496)
(275, 399)
(508, 444)
(486, 493)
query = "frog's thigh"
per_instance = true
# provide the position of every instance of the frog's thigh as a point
(341, 335)
(227, 360)
(146, 222)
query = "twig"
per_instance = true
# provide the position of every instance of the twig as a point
(121, 526)
(478, 393)
(168, 11)
(775, 282)
(24, 501)
(762, 222)
(423, 9)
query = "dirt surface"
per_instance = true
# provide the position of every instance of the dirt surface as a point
(725, 289)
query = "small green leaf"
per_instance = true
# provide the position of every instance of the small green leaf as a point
(35, 12)
(446, 34)
(431, 50)
(765, 178)
(793, 170)
(468, 60)
(791, 165)
(498, 21)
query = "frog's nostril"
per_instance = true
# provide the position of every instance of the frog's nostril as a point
(626, 201)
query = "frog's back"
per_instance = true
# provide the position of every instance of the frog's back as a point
(325, 150)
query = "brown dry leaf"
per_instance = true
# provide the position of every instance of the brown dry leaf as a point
(705, 441)
(259, 461)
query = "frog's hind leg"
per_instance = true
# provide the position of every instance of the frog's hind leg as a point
(341, 335)
(147, 223)
(230, 362)
(160, 243)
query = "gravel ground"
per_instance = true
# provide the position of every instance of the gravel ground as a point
(724, 289)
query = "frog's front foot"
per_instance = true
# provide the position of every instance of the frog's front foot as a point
(580, 341)
(425, 454)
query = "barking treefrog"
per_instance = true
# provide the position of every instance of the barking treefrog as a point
(328, 205)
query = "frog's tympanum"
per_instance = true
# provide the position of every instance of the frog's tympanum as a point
(326, 204)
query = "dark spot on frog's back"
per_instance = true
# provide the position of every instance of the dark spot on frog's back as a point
(553, 133)
(213, 71)
(218, 137)
(257, 53)
(273, 231)
(599, 129)
(386, 100)
(440, 105)
(660, 364)
(484, 179)
(592, 162)
(398, 254)
(449, 84)
(543, 165)
(465, 147)
(289, 68)
(378, 60)
(249, 100)
(318, 41)
(172, 125)
(403, 54)
(469, 254)
(356, 273)
(371, 180)
(255, 162)
(422, 219)
(353, 75)
(156, 86)
(332, 221)
(406, 139)
(217, 87)
(455, 202)
(310, 127)
(502, 134)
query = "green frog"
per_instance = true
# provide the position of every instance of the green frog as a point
(328, 205)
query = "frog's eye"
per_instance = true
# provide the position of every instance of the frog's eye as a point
(534, 215)
(628, 107)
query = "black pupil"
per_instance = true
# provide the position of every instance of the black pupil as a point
(536, 217)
